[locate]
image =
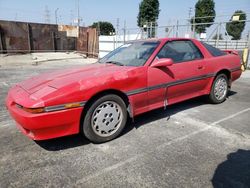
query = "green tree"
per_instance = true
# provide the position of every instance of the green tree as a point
(148, 14)
(236, 27)
(104, 28)
(204, 13)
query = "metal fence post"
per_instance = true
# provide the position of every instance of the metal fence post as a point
(248, 45)
(151, 30)
(114, 41)
(53, 41)
(194, 27)
(30, 38)
(124, 32)
(248, 40)
(177, 28)
(1, 43)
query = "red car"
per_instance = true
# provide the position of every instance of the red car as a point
(140, 76)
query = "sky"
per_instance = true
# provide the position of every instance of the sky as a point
(109, 10)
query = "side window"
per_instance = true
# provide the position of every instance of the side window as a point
(180, 51)
(214, 51)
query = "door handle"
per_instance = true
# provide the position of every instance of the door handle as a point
(200, 67)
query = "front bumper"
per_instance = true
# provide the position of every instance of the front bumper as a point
(43, 126)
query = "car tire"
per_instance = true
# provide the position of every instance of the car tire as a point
(105, 119)
(219, 90)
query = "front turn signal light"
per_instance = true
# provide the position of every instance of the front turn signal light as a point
(51, 108)
(34, 110)
(31, 110)
(72, 105)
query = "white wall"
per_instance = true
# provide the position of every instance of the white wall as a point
(109, 43)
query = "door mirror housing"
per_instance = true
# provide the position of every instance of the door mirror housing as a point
(164, 62)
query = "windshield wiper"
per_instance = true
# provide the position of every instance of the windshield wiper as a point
(115, 63)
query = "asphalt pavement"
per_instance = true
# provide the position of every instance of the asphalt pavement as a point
(190, 144)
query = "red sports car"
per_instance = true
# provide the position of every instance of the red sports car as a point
(140, 76)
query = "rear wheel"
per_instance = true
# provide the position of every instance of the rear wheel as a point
(105, 119)
(219, 89)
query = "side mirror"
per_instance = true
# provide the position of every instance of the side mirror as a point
(164, 62)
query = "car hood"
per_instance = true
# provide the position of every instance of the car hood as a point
(61, 78)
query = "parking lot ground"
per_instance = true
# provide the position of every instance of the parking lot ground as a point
(190, 144)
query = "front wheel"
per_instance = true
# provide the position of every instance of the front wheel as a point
(105, 119)
(219, 89)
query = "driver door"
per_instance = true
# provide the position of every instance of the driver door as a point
(180, 81)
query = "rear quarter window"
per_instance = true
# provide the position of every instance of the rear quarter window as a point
(213, 51)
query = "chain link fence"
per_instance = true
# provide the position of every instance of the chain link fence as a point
(215, 35)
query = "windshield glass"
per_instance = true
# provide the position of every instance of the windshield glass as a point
(131, 54)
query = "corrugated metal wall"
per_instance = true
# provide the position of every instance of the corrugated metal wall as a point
(33, 37)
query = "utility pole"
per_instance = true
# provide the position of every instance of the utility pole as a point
(78, 19)
(47, 15)
(56, 18)
(190, 12)
(78, 13)
(124, 32)
(117, 25)
(194, 26)
(71, 17)
(189, 19)
(117, 30)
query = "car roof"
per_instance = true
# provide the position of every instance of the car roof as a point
(176, 38)
(164, 39)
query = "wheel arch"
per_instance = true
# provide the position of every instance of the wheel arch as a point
(227, 73)
(99, 94)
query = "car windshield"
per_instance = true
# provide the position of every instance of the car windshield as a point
(131, 54)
